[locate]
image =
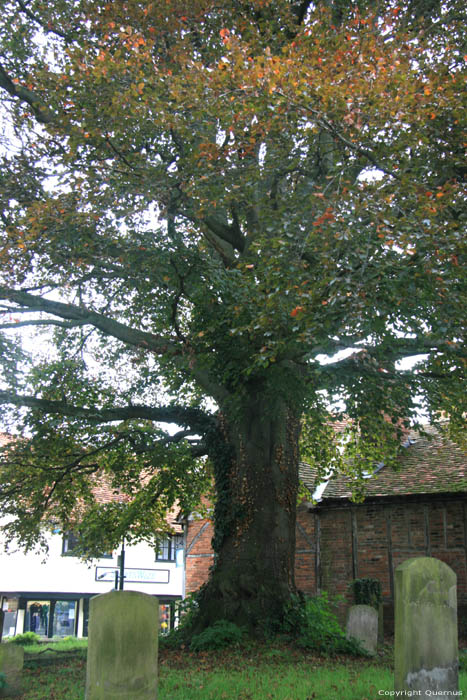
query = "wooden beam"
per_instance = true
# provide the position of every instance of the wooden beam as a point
(426, 517)
(318, 554)
(465, 533)
(389, 548)
(353, 518)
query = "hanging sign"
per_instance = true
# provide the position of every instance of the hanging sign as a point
(106, 574)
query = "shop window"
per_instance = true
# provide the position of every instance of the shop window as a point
(168, 617)
(10, 611)
(64, 618)
(169, 547)
(37, 617)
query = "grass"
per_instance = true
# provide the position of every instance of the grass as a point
(60, 682)
(300, 682)
(64, 645)
(269, 672)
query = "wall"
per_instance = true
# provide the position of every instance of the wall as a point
(372, 539)
(62, 585)
(199, 554)
(337, 542)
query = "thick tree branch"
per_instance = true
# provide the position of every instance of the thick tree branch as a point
(228, 233)
(224, 249)
(379, 361)
(48, 322)
(35, 101)
(194, 418)
(398, 349)
(223, 238)
(81, 316)
(108, 326)
(406, 347)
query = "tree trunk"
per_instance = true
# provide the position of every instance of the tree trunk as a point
(256, 471)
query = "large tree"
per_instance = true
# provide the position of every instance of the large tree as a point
(203, 204)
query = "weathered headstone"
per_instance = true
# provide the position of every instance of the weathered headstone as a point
(362, 624)
(426, 652)
(380, 612)
(122, 647)
(11, 664)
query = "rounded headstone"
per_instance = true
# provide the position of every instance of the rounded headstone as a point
(122, 647)
(362, 624)
(11, 664)
(426, 651)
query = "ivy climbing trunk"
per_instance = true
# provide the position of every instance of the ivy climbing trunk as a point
(256, 468)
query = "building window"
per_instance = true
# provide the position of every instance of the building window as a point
(64, 619)
(168, 617)
(51, 618)
(70, 544)
(168, 548)
(70, 547)
(10, 611)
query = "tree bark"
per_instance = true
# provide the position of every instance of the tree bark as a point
(256, 471)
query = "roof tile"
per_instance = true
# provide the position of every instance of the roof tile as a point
(431, 464)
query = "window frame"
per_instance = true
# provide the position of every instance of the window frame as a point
(70, 551)
(170, 545)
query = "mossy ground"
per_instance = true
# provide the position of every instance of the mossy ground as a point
(252, 672)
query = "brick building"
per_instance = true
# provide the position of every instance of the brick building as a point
(419, 510)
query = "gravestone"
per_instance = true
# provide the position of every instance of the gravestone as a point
(11, 664)
(122, 647)
(362, 624)
(426, 653)
(380, 612)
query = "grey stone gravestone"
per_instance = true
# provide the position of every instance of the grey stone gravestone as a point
(122, 647)
(11, 664)
(362, 624)
(426, 652)
(380, 612)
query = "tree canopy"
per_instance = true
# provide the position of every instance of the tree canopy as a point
(219, 211)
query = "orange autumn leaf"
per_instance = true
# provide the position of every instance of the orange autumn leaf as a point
(295, 311)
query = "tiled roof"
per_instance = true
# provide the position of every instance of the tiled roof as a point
(104, 493)
(428, 465)
(308, 476)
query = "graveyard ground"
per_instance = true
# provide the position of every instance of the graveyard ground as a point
(255, 672)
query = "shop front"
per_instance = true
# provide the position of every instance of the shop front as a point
(53, 615)
(64, 615)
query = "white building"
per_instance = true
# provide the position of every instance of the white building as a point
(51, 596)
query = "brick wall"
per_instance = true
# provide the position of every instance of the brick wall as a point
(337, 542)
(199, 554)
(371, 540)
(306, 555)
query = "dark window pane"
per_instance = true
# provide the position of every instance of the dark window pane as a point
(168, 548)
(70, 547)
